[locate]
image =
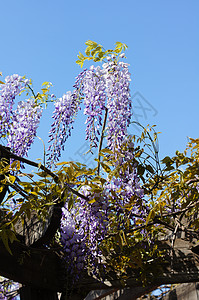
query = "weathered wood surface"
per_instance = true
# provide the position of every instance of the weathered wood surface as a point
(186, 291)
(40, 268)
(34, 232)
(44, 269)
(120, 294)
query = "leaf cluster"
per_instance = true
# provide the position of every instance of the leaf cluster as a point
(97, 53)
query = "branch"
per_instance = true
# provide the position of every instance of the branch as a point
(192, 181)
(101, 139)
(43, 168)
(35, 96)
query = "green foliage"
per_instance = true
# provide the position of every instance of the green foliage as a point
(170, 187)
(42, 97)
(97, 53)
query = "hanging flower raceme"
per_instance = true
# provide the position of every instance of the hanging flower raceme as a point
(26, 119)
(94, 101)
(107, 87)
(13, 86)
(117, 78)
(101, 88)
(82, 229)
(64, 114)
(73, 243)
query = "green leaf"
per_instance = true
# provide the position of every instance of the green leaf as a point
(78, 62)
(96, 190)
(12, 237)
(42, 174)
(167, 160)
(150, 169)
(140, 170)
(92, 201)
(106, 151)
(105, 168)
(44, 90)
(70, 203)
(91, 44)
(150, 216)
(87, 51)
(12, 178)
(46, 83)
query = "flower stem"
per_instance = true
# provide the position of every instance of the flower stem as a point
(101, 140)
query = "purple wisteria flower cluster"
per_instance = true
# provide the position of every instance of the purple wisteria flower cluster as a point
(13, 86)
(64, 114)
(94, 101)
(107, 87)
(18, 126)
(101, 89)
(26, 119)
(82, 230)
(73, 242)
(117, 79)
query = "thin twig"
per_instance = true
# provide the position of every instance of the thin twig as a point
(101, 140)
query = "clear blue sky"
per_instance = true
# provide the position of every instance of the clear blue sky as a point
(41, 39)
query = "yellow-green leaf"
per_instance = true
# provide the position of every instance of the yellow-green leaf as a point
(105, 168)
(150, 216)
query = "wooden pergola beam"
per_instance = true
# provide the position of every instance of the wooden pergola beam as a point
(44, 269)
(40, 268)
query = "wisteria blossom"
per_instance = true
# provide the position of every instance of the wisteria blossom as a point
(107, 87)
(86, 225)
(64, 114)
(25, 122)
(14, 84)
(94, 101)
(117, 79)
(82, 229)
(72, 241)
(101, 89)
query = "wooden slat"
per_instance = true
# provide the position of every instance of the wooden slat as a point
(44, 269)
(34, 232)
